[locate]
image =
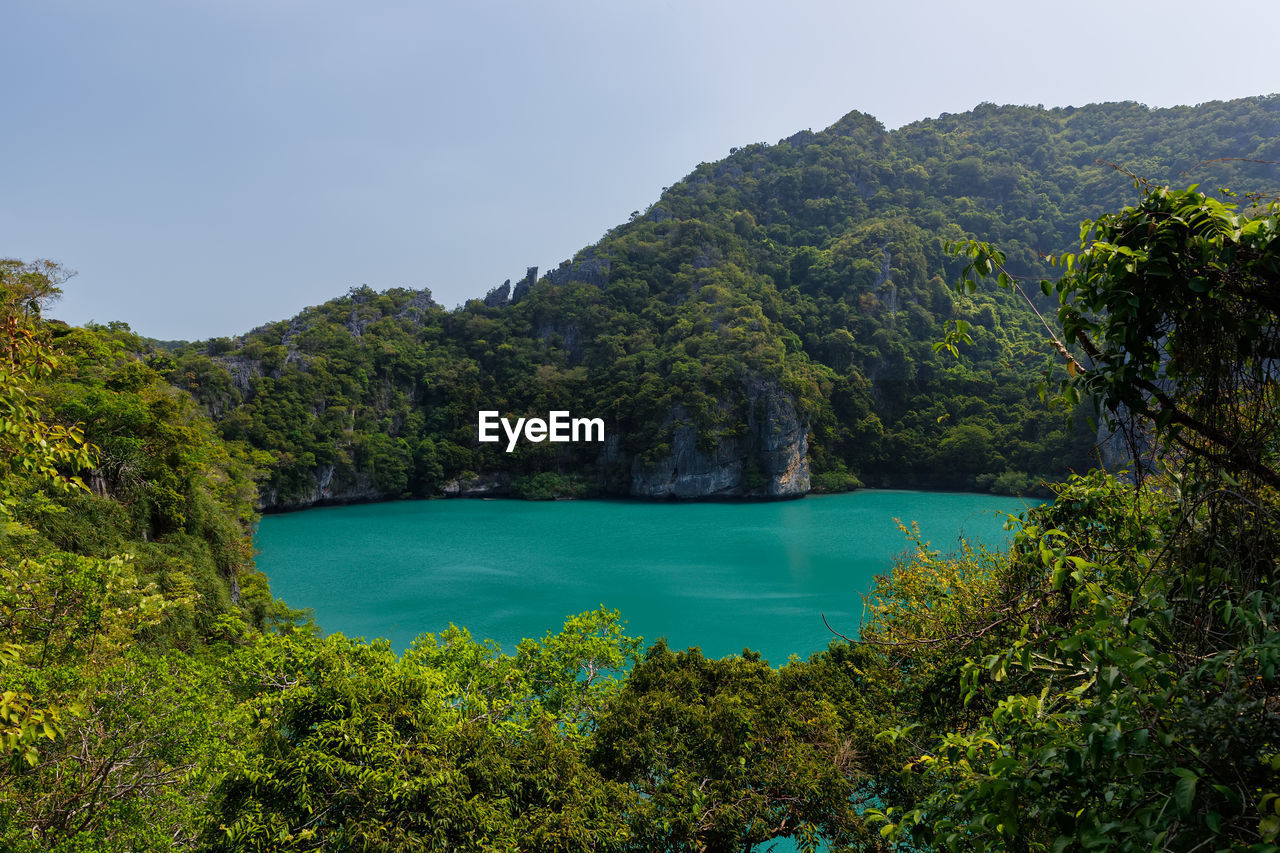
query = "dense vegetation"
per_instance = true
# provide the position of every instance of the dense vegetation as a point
(1110, 682)
(815, 264)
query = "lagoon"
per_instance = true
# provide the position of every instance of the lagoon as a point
(720, 576)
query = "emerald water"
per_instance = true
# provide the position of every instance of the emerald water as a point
(721, 576)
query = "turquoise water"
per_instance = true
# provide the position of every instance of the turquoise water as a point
(721, 576)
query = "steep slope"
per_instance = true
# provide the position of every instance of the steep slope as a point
(767, 326)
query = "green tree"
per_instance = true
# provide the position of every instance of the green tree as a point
(452, 746)
(109, 740)
(30, 446)
(723, 755)
(1115, 673)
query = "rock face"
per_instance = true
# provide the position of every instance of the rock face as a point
(569, 339)
(327, 489)
(480, 486)
(499, 296)
(586, 267)
(332, 489)
(522, 288)
(766, 460)
(1128, 446)
(419, 305)
(243, 371)
(769, 461)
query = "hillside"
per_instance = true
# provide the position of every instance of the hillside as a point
(764, 328)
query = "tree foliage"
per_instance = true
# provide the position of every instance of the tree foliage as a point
(1115, 679)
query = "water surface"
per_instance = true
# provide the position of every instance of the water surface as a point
(721, 576)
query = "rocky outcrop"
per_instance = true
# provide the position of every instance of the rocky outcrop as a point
(243, 371)
(769, 460)
(1125, 444)
(492, 485)
(586, 268)
(883, 287)
(566, 336)
(524, 285)
(499, 296)
(419, 307)
(329, 487)
(333, 487)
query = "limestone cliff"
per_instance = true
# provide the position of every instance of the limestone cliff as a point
(330, 486)
(768, 460)
(1126, 444)
(489, 485)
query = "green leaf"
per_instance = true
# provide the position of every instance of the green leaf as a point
(1184, 793)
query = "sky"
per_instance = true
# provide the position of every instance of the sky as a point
(207, 166)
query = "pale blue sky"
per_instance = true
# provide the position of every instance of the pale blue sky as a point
(210, 165)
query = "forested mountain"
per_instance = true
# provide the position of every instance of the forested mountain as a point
(766, 325)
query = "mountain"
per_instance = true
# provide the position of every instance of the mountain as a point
(765, 328)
